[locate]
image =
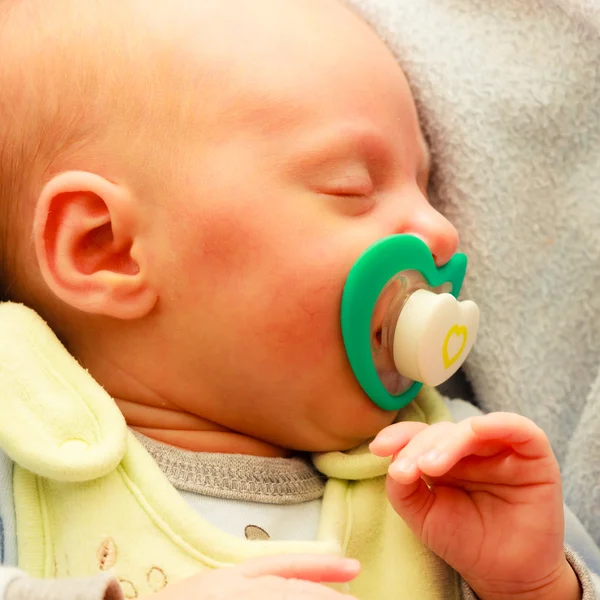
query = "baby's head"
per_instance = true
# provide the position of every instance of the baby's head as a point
(189, 183)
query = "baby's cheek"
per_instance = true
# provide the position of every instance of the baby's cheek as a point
(302, 323)
(220, 249)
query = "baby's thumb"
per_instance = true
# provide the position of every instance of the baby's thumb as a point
(308, 567)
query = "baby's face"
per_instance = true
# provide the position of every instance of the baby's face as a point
(308, 150)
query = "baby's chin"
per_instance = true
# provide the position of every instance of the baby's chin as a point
(344, 439)
(335, 445)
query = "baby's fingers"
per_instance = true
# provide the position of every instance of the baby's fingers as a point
(309, 567)
(485, 436)
(520, 433)
(405, 468)
(395, 437)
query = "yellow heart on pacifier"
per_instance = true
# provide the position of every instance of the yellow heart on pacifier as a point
(456, 336)
(434, 335)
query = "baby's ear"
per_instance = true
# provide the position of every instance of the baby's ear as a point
(88, 243)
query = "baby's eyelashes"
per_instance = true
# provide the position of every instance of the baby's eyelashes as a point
(352, 205)
(349, 185)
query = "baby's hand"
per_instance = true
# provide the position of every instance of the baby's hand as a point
(485, 495)
(269, 578)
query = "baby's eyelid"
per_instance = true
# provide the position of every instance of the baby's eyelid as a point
(350, 186)
(353, 205)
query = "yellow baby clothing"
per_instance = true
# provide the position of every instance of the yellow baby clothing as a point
(89, 498)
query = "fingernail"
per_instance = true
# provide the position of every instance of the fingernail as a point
(352, 564)
(380, 438)
(434, 456)
(402, 466)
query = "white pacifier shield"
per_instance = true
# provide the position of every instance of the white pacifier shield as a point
(434, 335)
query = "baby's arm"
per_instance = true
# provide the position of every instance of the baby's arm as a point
(269, 578)
(485, 495)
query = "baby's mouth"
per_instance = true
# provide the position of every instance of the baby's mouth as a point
(377, 338)
(385, 316)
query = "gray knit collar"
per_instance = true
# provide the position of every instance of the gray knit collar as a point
(237, 476)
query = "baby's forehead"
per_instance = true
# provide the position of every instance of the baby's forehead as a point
(273, 60)
(264, 62)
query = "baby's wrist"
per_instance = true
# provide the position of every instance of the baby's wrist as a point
(564, 585)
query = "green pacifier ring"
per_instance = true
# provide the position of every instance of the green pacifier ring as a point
(373, 270)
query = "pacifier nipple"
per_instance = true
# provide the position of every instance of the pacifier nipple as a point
(433, 336)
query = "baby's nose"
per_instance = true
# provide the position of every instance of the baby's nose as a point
(435, 230)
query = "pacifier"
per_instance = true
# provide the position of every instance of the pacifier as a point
(402, 323)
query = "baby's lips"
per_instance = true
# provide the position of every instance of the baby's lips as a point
(434, 335)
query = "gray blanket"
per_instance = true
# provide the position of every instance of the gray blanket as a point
(509, 95)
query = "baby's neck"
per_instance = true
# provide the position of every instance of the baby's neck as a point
(189, 432)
